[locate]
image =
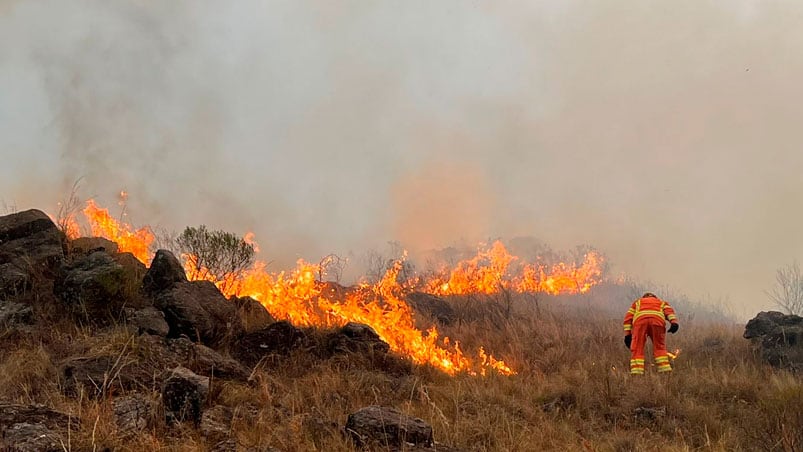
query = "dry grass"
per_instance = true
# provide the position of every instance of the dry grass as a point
(572, 390)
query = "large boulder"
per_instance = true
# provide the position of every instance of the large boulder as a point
(199, 311)
(766, 322)
(92, 287)
(133, 413)
(184, 395)
(148, 320)
(37, 428)
(206, 361)
(779, 338)
(216, 423)
(276, 339)
(88, 245)
(387, 426)
(164, 273)
(357, 338)
(25, 437)
(253, 315)
(97, 376)
(30, 245)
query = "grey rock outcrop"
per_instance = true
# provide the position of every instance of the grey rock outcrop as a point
(357, 338)
(184, 395)
(206, 361)
(375, 425)
(164, 273)
(32, 427)
(278, 338)
(778, 337)
(148, 320)
(25, 437)
(199, 311)
(30, 245)
(92, 287)
(133, 413)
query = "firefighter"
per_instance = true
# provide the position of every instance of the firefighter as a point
(647, 317)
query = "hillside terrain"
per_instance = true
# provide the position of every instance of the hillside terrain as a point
(99, 351)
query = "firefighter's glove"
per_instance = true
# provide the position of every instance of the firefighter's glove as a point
(628, 338)
(674, 328)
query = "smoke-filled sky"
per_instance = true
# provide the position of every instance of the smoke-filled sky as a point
(666, 134)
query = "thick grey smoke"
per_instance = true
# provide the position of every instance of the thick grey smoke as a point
(665, 134)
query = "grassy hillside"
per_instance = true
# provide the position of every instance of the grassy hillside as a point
(572, 390)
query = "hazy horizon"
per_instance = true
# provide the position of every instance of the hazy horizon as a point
(663, 134)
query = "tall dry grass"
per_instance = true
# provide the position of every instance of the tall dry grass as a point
(572, 390)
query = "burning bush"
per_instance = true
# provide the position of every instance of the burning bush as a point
(214, 255)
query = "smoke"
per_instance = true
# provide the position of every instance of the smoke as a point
(664, 134)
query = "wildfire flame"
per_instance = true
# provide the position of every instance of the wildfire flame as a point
(134, 241)
(297, 296)
(492, 271)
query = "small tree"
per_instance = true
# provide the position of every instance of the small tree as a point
(217, 255)
(331, 266)
(788, 290)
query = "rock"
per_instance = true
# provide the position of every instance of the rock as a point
(148, 320)
(133, 413)
(32, 243)
(765, 322)
(11, 413)
(133, 269)
(165, 271)
(184, 395)
(12, 314)
(650, 414)
(13, 280)
(205, 361)
(387, 426)
(278, 338)
(779, 338)
(92, 287)
(434, 306)
(25, 437)
(252, 314)
(216, 422)
(783, 347)
(199, 311)
(99, 375)
(88, 245)
(357, 338)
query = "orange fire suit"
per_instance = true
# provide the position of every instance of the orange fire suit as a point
(647, 318)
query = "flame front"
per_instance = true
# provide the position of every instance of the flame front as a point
(491, 272)
(136, 242)
(297, 296)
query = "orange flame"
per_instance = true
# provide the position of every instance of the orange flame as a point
(136, 242)
(297, 297)
(490, 272)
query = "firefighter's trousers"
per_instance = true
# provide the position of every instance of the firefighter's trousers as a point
(657, 332)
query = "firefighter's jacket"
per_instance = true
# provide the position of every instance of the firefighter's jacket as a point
(652, 310)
